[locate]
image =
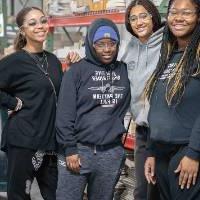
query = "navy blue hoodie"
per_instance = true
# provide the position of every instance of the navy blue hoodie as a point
(93, 99)
(178, 124)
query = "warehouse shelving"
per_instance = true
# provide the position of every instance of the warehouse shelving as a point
(86, 18)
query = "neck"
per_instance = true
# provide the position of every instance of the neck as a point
(143, 40)
(34, 48)
(182, 43)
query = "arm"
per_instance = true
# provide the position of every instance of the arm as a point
(66, 114)
(65, 120)
(188, 167)
(7, 101)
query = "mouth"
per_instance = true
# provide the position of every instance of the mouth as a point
(141, 29)
(41, 33)
(107, 57)
(178, 27)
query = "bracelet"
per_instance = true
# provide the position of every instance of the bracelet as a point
(19, 104)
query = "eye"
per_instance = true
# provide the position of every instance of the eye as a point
(144, 15)
(100, 45)
(32, 23)
(43, 20)
(173, 12)
(133, 18)
(187, 13)
(112, 44)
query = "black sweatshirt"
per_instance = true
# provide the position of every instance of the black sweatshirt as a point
(33, 126)
(93, 101)
(176, 124)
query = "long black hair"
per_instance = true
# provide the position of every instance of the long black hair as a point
(184, 69)
(151, 9)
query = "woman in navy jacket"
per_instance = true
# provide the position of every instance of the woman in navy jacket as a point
(174, 116)
(93, 100)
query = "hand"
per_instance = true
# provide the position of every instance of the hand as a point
(72, 57)
(10, 113)
(188, 169)
(73, 163)
(149, 170)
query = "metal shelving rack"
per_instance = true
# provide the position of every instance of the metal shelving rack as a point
(86, 18)
(80, 20)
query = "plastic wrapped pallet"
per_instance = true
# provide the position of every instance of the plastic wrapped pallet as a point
(116, 4)
(59, 7)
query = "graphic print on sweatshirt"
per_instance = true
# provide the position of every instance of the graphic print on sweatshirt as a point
(107, 93)
(169, 71)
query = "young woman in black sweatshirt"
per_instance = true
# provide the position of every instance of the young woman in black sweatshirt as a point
(93, 100)
(174, 116)
(29, 85)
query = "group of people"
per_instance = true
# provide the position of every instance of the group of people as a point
(66, 130)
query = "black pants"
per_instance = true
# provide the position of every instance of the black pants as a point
(23, 167)
(168, 158)
(142, 191)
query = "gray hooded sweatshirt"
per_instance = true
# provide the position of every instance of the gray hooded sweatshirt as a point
(141, 59)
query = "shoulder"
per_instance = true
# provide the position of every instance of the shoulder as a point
(80, 66)
(52, 56)
(13, 58)
(121, 64)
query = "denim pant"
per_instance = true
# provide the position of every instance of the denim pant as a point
(99, 171)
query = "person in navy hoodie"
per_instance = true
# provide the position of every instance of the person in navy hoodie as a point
(174, 115)
(93, 100)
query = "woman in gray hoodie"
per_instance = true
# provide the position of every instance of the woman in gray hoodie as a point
(143, 21)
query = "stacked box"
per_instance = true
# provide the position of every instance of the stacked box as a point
(58, 7)
(116, 4)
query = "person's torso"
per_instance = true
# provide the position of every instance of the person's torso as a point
(174, 124)
(38, 91)
(102, 100)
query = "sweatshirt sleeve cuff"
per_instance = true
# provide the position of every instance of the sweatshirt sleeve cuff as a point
(12, 103)
(71, 150)
(193, 154)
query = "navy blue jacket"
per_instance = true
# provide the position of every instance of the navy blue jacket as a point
(93, 101)
(178, 124)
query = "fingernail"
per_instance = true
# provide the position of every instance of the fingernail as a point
(182, 187)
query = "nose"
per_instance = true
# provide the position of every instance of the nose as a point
(106, 48)
(179, 17)
(139, 21)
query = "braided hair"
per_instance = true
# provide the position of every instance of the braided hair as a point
(151, 9)
(184, 69)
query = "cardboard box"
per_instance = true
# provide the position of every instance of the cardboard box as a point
(96, 5)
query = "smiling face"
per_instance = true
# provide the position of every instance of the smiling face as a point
(141, 22)
(35, 27)
(106, 50)
(182, 19)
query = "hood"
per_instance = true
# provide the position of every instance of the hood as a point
(141, 59)
(89, 49)
(154, 39)
(136, 49)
